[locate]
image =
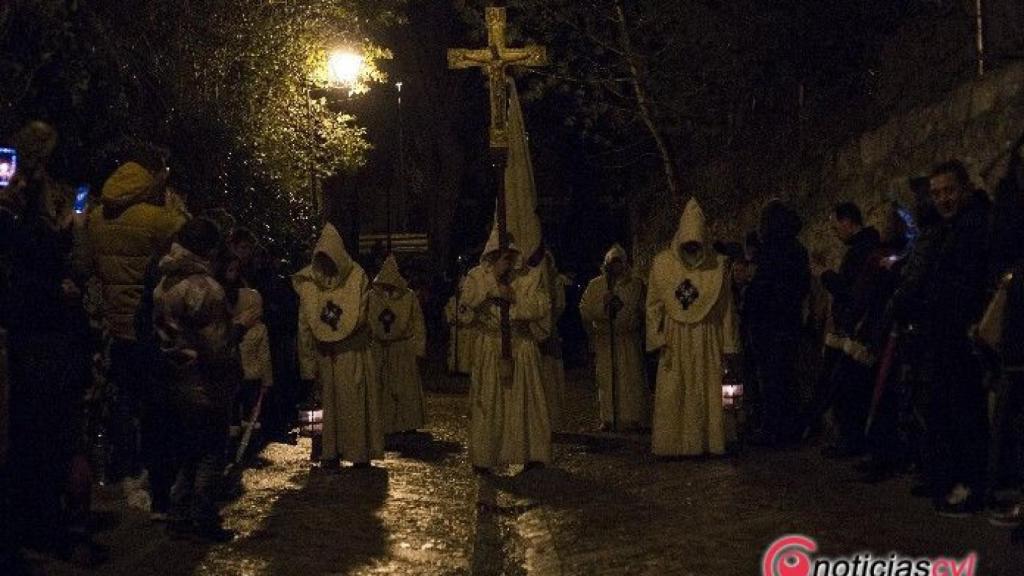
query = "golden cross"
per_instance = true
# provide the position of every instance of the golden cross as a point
(494, 60)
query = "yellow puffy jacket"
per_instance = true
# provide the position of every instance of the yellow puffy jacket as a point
(125, 232)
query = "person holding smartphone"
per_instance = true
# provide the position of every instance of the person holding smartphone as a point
(41, 309)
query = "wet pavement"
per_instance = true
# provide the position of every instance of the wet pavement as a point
(605, 507)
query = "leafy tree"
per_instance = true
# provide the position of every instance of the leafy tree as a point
(236, 89)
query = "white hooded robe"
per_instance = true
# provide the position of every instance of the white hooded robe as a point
(462, 333)
(553, 368)
(628, 406)
(334, 348)
(508, 423)
(399, 340)
(691, 320)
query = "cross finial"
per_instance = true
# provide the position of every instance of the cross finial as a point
(494, 60)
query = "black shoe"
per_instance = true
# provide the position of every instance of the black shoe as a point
(333, 465)
(214, 533)
(1011, 516)
(533, 466)
(362, 465)
(481, 470)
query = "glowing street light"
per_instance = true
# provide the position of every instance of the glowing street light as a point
(344, 68)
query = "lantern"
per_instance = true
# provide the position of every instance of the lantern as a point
(311, 425)
(311, 422)
(732, 385)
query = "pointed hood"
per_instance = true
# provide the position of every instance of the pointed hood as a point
(331, 247)
(493, 243)
(692, 228)
(616, 251)
(390, 275)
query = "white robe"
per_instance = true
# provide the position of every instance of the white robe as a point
(395, 351)
(628, 406)
(334, 348)
(508, 423)
(553, 368)
(691, 320)
(462, 335)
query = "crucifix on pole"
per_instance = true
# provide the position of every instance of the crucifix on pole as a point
(495, 60)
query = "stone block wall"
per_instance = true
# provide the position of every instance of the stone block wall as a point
(977, 122)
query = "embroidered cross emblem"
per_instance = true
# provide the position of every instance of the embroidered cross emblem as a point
(331, 315)
(687, 294)
(387, 318)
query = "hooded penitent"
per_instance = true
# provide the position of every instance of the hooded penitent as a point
(390, 313)
(124, 232)
(616, 252)
(334, 349)
(699, 273)
(493, 244)
(331, 298)
(690, 320)
(399, 338)
(620, 378)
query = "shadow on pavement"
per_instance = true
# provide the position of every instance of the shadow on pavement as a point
(599, 443)
(329, 525)
(421, 446)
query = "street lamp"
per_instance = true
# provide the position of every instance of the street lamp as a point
(344, 68)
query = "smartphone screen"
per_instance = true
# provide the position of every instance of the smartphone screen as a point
(8, 165)
(81, 198)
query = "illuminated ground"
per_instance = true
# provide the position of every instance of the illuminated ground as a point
(607, 507)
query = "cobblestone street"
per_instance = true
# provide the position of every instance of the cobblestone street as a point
(605, 507)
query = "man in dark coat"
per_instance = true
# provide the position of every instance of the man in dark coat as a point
(851, 367)
(957, 437)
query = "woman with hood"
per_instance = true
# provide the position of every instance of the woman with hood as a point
(691, 321)
(334, 349)
(612, 309)
(399, 340)
(508, 409)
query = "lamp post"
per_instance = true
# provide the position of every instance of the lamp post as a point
(401, 164)
(344, 68)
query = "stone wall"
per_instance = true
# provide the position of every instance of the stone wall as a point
(977, 122)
